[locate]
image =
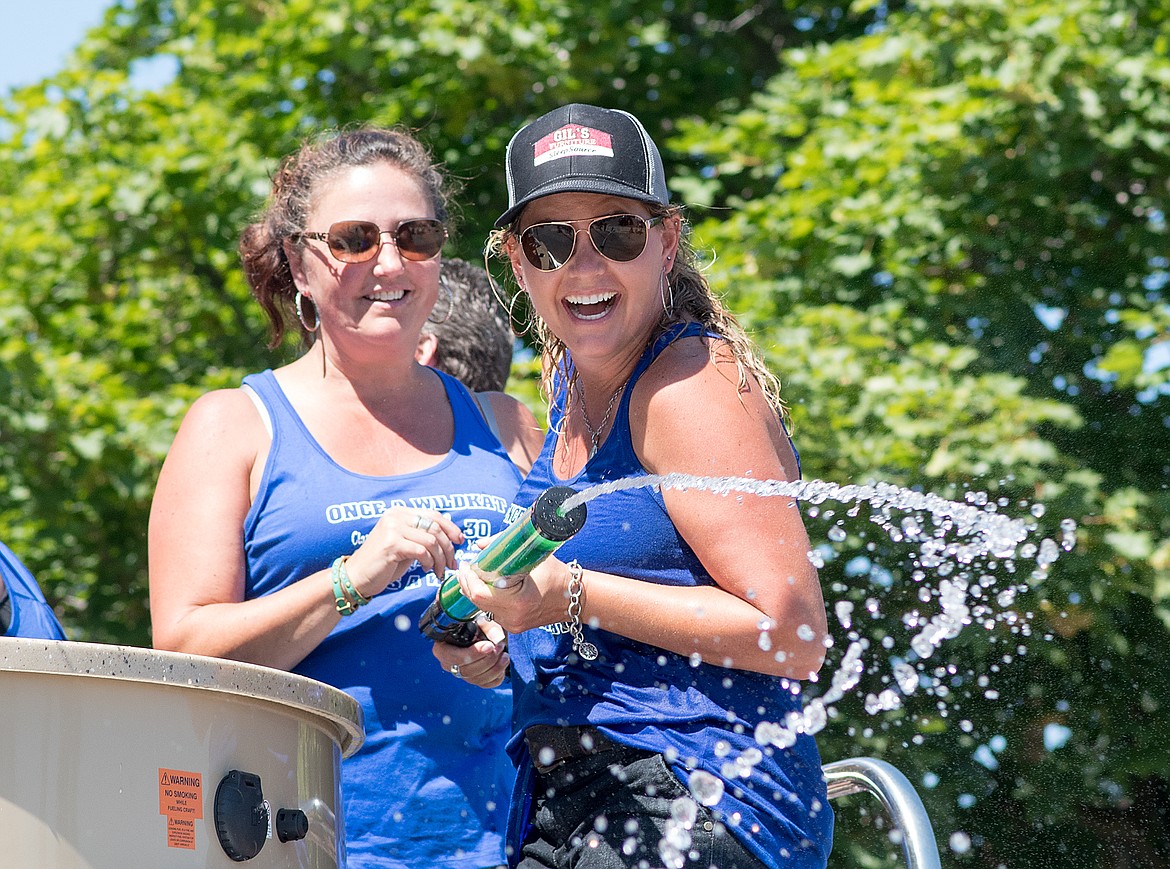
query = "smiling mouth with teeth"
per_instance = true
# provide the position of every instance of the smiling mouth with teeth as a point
(590, 307)
(387, 296)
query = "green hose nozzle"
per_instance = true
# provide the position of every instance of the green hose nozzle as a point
(537, 534)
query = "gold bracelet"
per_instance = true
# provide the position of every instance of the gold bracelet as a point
(586, 650)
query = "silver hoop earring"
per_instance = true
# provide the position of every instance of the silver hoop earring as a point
(301, 314)
(528, 321)
(443, 286)
(667, 293)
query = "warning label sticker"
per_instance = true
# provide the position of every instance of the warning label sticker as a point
(180, 799)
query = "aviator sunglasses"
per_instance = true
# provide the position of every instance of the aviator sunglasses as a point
(617, 237)
(356, 241)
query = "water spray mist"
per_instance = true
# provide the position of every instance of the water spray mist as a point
(537, 534)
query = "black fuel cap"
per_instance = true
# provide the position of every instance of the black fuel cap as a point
(241, 818)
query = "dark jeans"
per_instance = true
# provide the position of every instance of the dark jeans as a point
(610, 811)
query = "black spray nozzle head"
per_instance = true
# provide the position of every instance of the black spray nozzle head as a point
(548, 519)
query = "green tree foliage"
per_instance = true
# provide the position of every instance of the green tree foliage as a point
(121, 290)
(946, 222)
(953, 232)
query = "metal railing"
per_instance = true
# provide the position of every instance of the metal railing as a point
(897, 796)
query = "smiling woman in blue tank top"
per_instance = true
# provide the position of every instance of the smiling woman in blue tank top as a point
(646, 653)
(304, 520)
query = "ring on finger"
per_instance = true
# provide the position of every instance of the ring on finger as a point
(455, 671)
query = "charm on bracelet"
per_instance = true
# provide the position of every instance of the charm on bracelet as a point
(581, 646)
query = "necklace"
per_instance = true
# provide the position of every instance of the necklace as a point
(595, 433)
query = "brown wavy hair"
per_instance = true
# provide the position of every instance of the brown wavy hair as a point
(294, 185)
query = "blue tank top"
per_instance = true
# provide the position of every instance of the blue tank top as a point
(430, 785)
(700, 716)
(32, 616)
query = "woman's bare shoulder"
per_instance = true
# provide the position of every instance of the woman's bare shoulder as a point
(227, 420)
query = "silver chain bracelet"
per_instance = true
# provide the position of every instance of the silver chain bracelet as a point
(586, 650)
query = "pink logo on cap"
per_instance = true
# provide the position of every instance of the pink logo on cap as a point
(572, 140)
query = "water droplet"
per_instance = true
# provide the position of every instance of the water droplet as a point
(706, 788)
(960, 842)
(1048, 552)
(750, 756)
(814, 718)
(684, 810)
(1056, 736)
(906, 677)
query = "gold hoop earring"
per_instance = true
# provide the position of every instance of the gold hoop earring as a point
(301, 313)
(443, 286)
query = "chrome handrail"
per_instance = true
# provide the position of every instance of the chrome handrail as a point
(897, 796)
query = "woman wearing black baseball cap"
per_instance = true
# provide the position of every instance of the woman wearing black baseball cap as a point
(656, 661)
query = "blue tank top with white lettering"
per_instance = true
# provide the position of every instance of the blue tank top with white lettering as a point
(430, 785)
(701, 716)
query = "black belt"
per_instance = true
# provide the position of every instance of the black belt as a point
(551, 746)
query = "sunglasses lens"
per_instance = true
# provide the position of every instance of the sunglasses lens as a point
(420, 240)
(353, 241)
(548, 246)
(620, 237)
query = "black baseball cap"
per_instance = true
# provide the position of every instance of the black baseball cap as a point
(583, 149)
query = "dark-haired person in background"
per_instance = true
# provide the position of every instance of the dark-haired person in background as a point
(468, 334)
